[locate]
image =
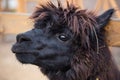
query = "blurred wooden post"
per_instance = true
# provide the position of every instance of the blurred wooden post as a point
(78, 3)
(114, 4)
(21, 6)
(6, 5)
(43, 1)
(113, 33)
(0, 5)
(106, 4)
(2, 32)
(113, 28)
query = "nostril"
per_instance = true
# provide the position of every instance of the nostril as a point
(22, 38)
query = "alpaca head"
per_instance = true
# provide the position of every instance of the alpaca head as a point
(62, 38)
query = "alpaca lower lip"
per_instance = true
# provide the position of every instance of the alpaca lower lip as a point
(16, 48)
(19, 51)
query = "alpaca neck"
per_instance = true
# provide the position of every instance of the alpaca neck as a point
(81, 68)
(112, 74)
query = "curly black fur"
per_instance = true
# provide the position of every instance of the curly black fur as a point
(68, 44)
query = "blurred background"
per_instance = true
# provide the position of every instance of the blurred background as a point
(14, 19)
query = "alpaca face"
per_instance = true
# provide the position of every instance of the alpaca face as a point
(64, 42)
(45, 47)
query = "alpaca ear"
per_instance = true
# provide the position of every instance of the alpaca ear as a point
(103, 19)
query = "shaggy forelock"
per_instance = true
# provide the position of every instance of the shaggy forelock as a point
(80, 22)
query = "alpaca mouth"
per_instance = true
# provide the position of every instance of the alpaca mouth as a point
(17, 50)
(21, 50)
(25, 58)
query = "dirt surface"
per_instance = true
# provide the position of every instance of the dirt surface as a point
(11, 69)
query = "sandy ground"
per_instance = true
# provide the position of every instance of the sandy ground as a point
(11, 69)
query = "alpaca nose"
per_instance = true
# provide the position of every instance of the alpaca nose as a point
(22, 38)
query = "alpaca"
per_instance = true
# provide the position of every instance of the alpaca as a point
(67, 44)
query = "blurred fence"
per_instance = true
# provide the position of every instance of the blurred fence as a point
(113, 32)
(14, 23)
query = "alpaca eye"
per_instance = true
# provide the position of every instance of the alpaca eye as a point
(63, 37)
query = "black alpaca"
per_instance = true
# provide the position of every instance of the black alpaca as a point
(68, 44)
